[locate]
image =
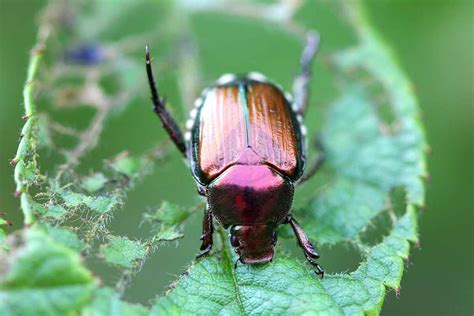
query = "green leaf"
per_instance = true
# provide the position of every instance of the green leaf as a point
(66, 237)
(3, 236)
(362, 291)
(50, 211)
(44, 133)
(107, 302)
(168, 214)
(166, 221)
(100, 203)
(367, 157)
(123, 252)
(372, 149)
(213, 287)
(286, 286)
(126, 165)
(94, 183)
(366, 166)
(42, 277)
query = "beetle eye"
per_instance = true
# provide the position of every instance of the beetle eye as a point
(234, 241)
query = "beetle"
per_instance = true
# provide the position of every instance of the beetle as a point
(245, 146)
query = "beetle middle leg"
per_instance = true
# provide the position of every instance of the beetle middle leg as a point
(301, 82)
(304, 242)
(159, 108)
(207, 231)
(318, 162)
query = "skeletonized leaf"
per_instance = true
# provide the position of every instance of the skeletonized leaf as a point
(368, 156)
(166, 221)
(94, 183)
(123, 251)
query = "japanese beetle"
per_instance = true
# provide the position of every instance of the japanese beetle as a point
(245, 146)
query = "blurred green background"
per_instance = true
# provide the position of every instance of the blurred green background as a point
(434, 44)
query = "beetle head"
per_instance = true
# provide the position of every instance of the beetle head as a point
(255, 244)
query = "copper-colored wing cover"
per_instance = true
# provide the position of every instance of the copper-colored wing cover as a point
(245, 114)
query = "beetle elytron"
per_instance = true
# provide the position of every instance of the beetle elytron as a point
(246, 149)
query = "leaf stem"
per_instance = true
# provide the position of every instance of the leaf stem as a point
(25, 158)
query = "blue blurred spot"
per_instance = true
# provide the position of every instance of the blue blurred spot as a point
(85, 54)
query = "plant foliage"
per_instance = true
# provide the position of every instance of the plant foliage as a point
(371, 131)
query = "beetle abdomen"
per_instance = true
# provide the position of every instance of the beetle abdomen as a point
(240, 114)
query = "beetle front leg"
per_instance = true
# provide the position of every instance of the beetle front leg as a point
(305, 243)
(206, 237)
(301, 82)
(159, 108)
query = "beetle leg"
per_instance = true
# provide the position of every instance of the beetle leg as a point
(301, 82)
(303, 239)
(206, 237)
(317, 164)
(237, 261)
(159, 108)
(305, 243)
(319, 270)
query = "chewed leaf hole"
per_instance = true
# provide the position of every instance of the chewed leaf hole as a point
(395, 207)
(377, 229)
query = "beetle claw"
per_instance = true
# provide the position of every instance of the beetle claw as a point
(236, 261)
(205, 248)
(319, 270)
(320, 273)
(204, 252)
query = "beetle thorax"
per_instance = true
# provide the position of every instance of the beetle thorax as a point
(249, 193)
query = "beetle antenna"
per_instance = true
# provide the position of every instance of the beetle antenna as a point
(310, 50)
(151, 79)
(159, 108)
(301, 82)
